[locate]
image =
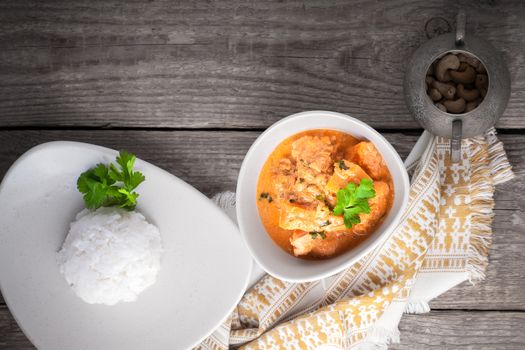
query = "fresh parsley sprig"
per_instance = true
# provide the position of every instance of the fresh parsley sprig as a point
(109, 185)
(353, 200)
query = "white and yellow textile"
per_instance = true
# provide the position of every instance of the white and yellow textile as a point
(443, 239)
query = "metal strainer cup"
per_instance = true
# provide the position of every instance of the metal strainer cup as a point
(457, 126)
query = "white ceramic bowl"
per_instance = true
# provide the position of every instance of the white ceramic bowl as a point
(265, 252)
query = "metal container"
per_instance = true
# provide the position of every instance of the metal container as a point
(457, 126)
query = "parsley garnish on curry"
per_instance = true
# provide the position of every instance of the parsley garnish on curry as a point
(322, 192)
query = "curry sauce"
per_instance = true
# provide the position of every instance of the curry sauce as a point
(297, 191)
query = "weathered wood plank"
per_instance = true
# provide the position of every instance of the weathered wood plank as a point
(436, 330)
(11, 336)
(462, 330)
(200, 64)
(210, 161)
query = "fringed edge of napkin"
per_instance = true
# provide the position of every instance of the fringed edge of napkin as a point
(417, 306)
(380, 338)
(490, 167)
(501, 170)
(225, 200)
(482, 204)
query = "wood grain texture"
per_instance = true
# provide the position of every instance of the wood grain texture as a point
(210, 161)
(161, 66)
(462, 330)
(435, 330)
(227, 64)
(11, 336)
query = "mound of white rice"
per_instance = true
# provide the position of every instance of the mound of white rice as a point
(110, 255)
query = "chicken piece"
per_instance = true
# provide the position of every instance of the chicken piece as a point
(315, 152)
(294, 217)
(304, 221)
(284, 179)
(366, 155)
(378, 208)
(313, 159)
(308, 193)
(303, 243)
(344, 173)
(326, 247)
(285, 166)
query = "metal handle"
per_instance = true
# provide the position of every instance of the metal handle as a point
(417, 151)
(457, 125)
(455, 141)
(461, 20)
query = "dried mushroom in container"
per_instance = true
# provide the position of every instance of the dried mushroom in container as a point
(457, 82)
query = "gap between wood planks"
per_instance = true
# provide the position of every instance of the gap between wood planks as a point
(418, 131)
(508, 311)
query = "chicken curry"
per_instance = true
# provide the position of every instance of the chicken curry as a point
(322, 192)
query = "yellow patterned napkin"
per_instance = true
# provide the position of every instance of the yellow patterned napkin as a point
(442, 240)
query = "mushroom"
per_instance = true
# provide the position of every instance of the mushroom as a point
(447, 62)
(462, 66)
(447, 90)
(483, 91)
(435, 95)
(471, 105)
(482, 81)
(466, 76)
(481, 69)
(473, 61)
(455, 106)
(457, 82)
(468, 95)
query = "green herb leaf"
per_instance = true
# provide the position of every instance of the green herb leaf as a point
(315, 234)
(135, 179)
(266, 195)
(109, 185)
(96, 196)
(353, 200)
(126, 161)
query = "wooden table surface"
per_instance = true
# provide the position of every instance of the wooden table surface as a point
(188, 85)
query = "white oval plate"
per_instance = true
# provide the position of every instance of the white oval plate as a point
(204, 272)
